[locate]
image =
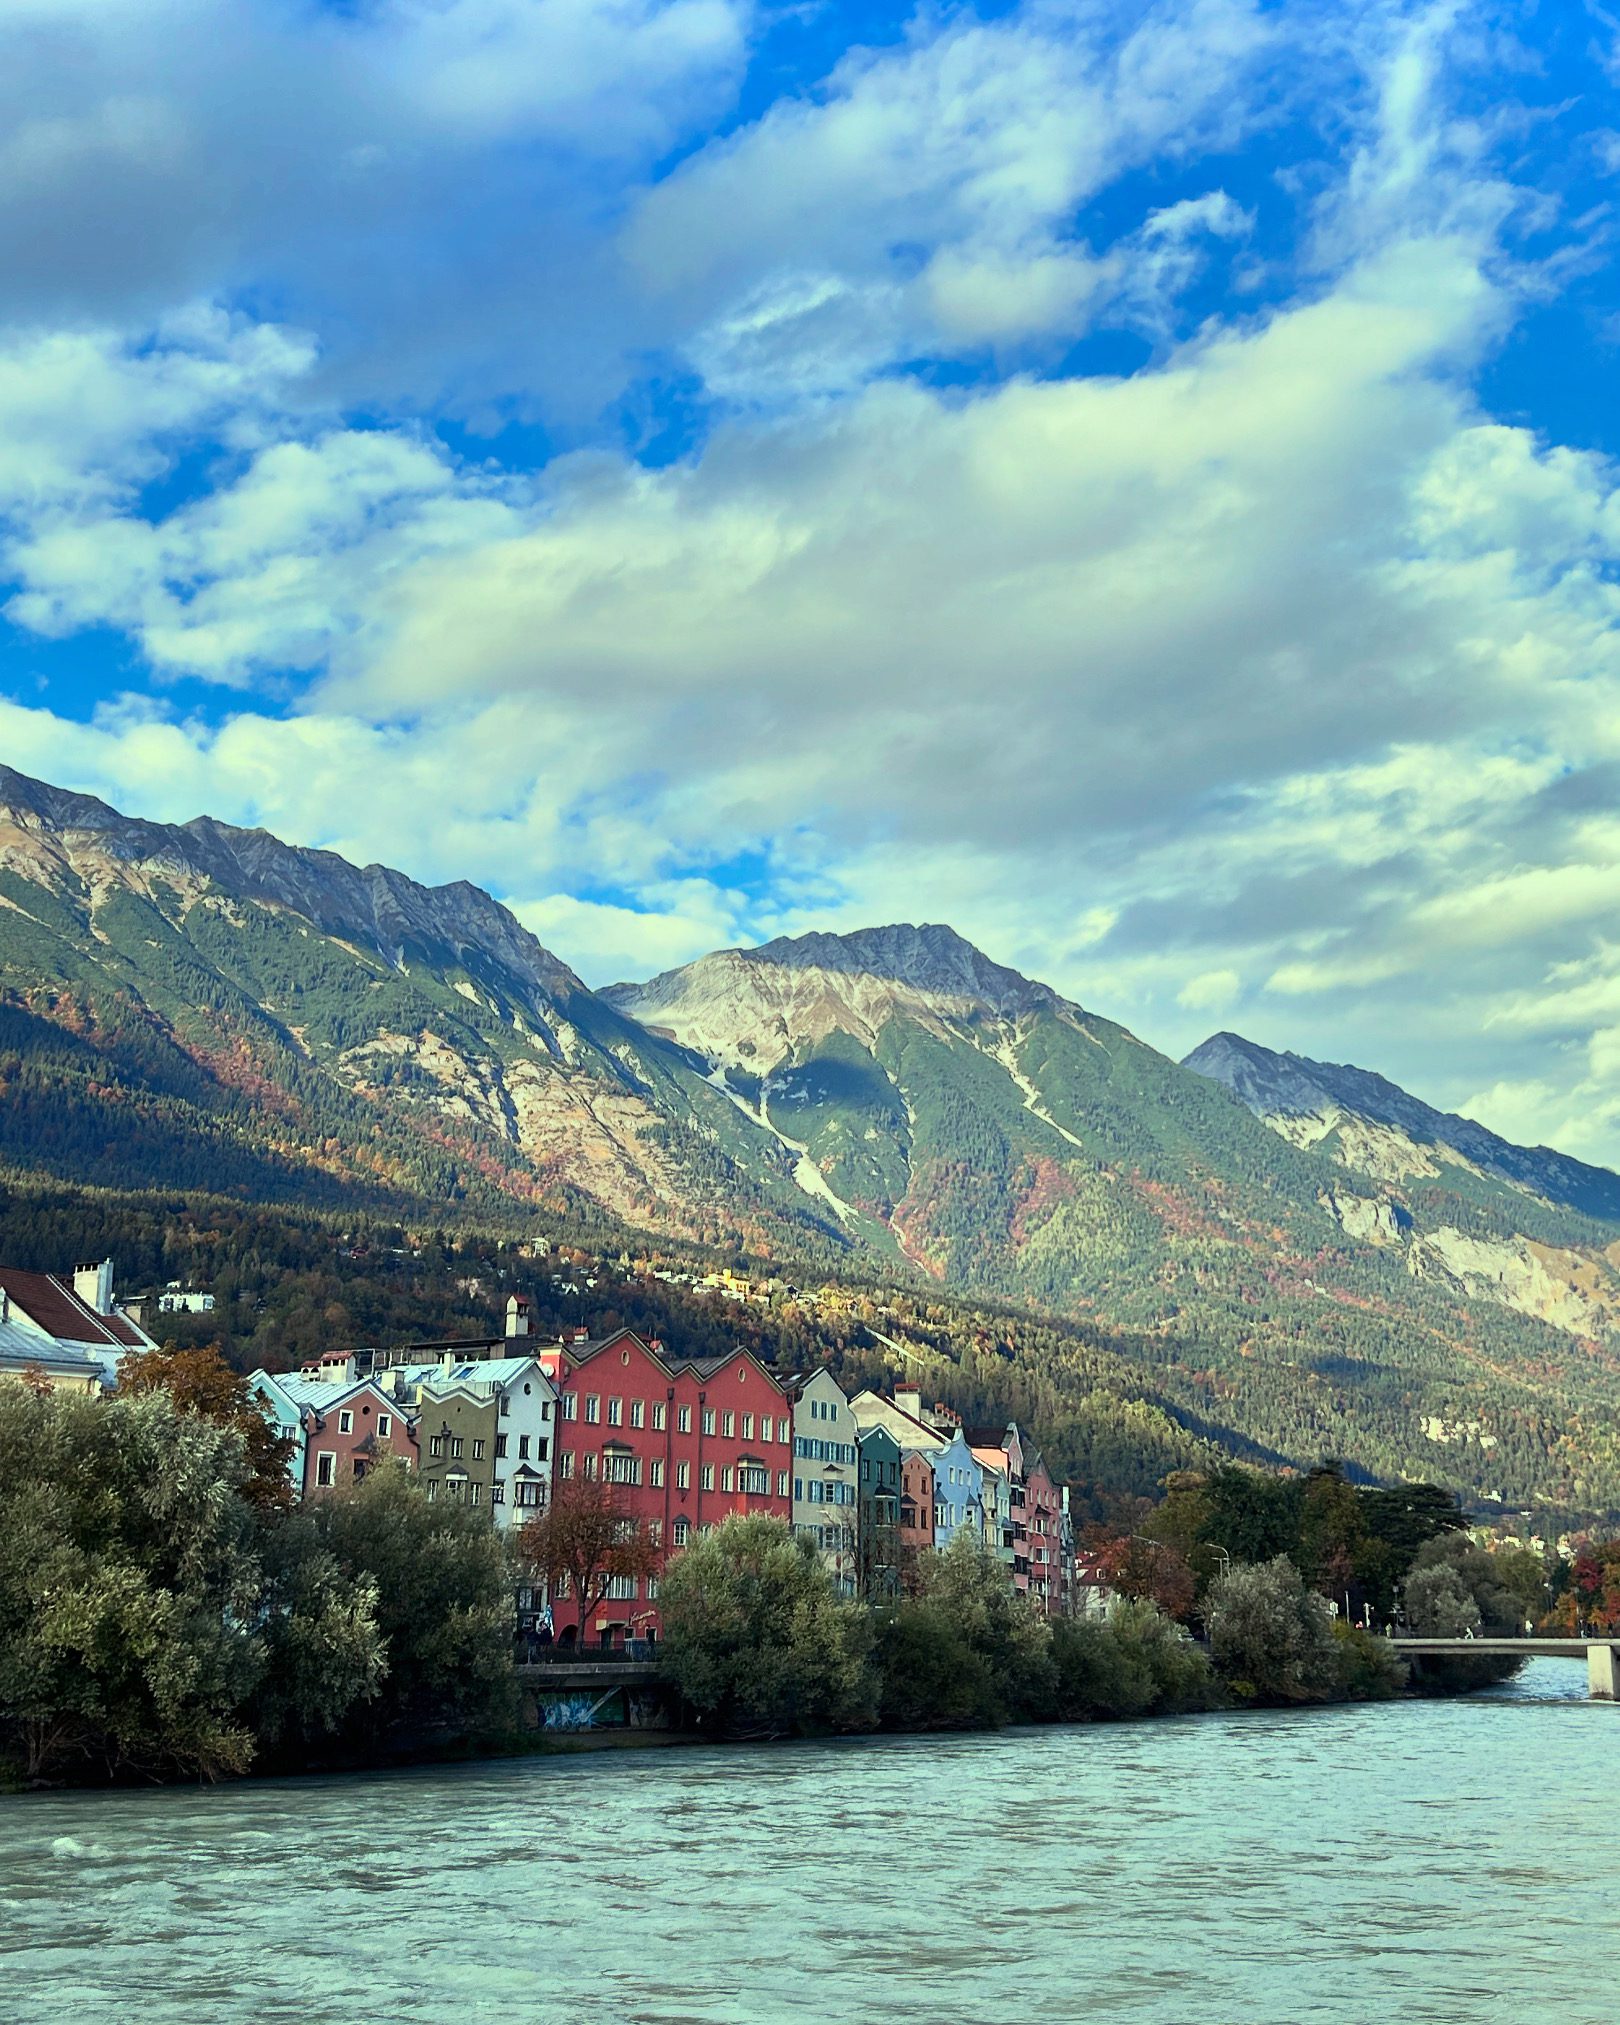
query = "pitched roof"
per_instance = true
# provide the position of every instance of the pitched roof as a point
(52, 1304)
(21, 1347)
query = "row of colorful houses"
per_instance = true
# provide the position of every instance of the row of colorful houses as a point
(872, 1481)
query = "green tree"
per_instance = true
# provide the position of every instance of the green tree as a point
(445, 1589)
(1136, 1662)
(200, 1381)
(1271, 1639)
(324, 1649)
(756, 1639)
(969, 1584)
(129, 1587)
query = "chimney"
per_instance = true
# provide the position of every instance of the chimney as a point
(517, 1315)
(93, 1284)
(909, 1400)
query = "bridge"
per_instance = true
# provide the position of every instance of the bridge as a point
(1602, 1655)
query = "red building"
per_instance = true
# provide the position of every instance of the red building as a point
(686, 1441)
(1044, 1519)
(916, 1509)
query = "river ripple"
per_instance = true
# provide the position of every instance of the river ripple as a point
(1454, 1862)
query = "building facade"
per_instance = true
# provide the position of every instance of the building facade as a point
(878, 1545)
(826, 1474)
(340, 1427)
(486, 1429)
(686, 1442)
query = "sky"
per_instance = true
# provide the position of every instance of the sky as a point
(1133, 481)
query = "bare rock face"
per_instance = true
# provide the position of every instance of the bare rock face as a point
(1384, 1131)
(755, 1009)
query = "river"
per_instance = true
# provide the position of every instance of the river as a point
(1448, 1861)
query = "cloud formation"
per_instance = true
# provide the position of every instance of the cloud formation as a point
(1032, 473)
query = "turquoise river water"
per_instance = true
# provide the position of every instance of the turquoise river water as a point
(1452, 1861)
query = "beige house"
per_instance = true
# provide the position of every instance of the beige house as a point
(826, 1473)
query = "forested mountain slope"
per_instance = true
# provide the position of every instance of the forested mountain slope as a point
(206, 1006)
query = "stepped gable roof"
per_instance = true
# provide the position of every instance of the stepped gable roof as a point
(52, 1304)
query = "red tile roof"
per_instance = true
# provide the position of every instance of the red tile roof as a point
(52, 1304)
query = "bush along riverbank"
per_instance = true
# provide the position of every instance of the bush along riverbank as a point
(757, 1643)
(166, 1612)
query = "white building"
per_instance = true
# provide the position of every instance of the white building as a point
(70, 1330)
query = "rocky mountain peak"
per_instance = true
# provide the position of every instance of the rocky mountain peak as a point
(373, 906)
(754, 1008)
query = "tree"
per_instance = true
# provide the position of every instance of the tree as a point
(325, 1652)
(1136, 1662)
(1151, 1572)
(971, 1586)
(1591, 1596)
(1270, 1638)
(585, 1538)
(129, 1587)
(200, 1381)
(756, 1638)
(446, 1597)
(1456, 1582)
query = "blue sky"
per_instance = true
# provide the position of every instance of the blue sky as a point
(1134, 481)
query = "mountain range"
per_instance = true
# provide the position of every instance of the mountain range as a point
(201, 1007)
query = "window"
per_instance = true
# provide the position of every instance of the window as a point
(506, 1404)
(683, 1476)
(655, 1474)
(754, 1480)
(659, 1418)
(782, 1432)
(655, 1532)
(706, 1479)
(455, 1445)
(587, 1467)
(529, 1492)
(570, 1405)
(436, 1445)
(566, 1464)
(542, 1448)
(638, 1413)
(497, 1494)
(781, 1483)
(708, 1420)
(801, 1447)
(523, 1447)
(326, 1467)
(593, 1408)
(385, 1426)
(621, 1589)
(748, 1427)
(619, 1466)
(728, 1426)
(346, 1421)
(545, 1408)
(683, 1419)
(652, 1588)
(727, 1480)
(500, 1446)
(478, 1448)
(798, 1489)
(615, 1413)
(680, 1532)
(432, 1488)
